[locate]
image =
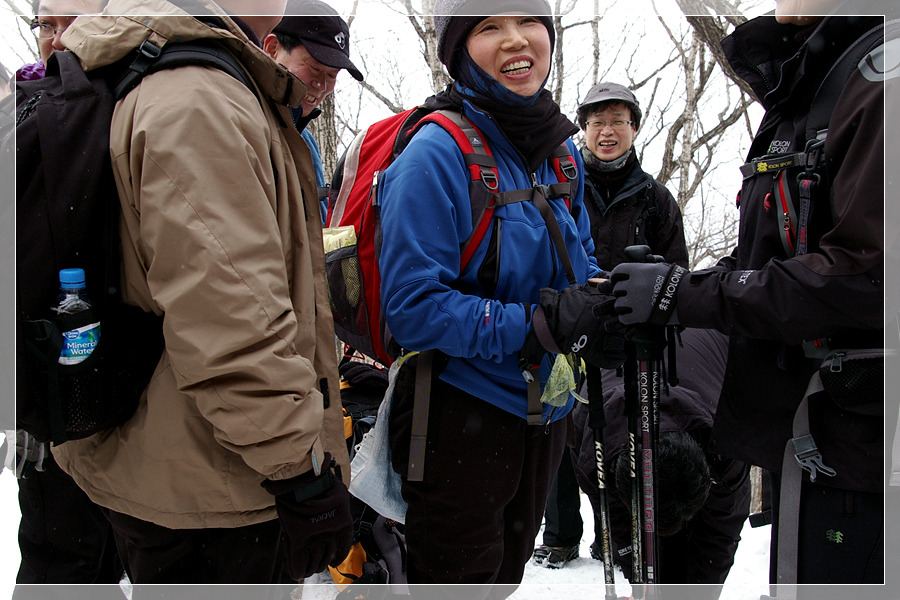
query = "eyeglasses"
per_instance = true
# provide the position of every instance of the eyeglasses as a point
(45, 30)
(613, 124)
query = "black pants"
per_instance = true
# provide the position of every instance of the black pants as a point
(562, 516)
(474, 518)
(841, 535)
(63, 536)
(155, 554)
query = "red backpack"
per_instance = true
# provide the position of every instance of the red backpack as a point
(354, 281)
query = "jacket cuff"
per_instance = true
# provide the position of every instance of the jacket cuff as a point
(304, 486)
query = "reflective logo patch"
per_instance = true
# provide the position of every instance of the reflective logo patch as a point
(883, 63)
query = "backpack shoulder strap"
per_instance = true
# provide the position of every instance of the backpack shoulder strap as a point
(833, 84)
(484, 182)
(794, 233)
(150, 58)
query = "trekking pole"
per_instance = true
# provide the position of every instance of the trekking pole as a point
(632, 413)
(597, 421)
(649, 342)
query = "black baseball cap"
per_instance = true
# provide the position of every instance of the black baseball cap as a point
(324, 34)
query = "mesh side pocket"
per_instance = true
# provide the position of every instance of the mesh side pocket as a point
(70, 402)
(97, 393)
(857, 385)
(347, 298)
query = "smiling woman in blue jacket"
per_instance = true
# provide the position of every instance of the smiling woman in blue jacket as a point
(487, 471)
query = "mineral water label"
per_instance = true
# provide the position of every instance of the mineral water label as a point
(79, 343)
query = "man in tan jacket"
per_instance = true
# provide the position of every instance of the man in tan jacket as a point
(221, 235)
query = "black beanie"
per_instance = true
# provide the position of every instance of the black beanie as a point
(455, 19)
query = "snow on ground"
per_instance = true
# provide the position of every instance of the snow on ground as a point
(581, 578)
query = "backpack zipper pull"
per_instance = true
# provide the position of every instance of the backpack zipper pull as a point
(837, 362)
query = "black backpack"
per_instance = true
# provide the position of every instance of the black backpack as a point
(67, 215)
(363, 386)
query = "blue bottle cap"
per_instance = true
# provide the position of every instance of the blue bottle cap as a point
(71, 278)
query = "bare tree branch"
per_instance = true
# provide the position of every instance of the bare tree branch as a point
(711, 31)
(395, 108)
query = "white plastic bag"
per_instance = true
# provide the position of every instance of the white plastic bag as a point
(372, 478)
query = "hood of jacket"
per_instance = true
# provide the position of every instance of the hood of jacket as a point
(791, 58)
(124, 25)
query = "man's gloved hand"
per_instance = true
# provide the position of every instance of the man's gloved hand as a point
(646, 292)
(316, 524)
(30, 454)
(579, 320)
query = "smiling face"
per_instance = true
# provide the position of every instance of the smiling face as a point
(514, 49)
(320, 79)
(605, 140)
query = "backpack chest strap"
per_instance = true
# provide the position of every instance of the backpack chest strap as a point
(773, 164)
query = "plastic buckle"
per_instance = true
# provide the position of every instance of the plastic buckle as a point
(544, 190)
(568, 169)
(150, 50)
(365, 527)
(813, 151)
(489, 178)
(807, 454)
(527, 376)
(817, 348)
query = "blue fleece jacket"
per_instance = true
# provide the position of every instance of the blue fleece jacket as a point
(427, 303)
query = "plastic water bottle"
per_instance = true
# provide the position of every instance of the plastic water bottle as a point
(78, 343)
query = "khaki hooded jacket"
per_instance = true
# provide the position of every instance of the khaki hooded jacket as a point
(221, 235)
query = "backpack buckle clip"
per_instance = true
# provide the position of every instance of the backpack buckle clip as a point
(543, 190)
(568, 169)
(807, 454)
(150, 50)
(489, 178)
(813, 152)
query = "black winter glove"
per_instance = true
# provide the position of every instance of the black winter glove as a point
(646, 292)
(579, 320)
(316, 524)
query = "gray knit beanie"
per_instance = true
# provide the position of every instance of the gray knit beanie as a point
(454, 19)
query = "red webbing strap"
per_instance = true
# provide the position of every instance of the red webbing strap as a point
(788, 229)
(566, 171)
(482, 171)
